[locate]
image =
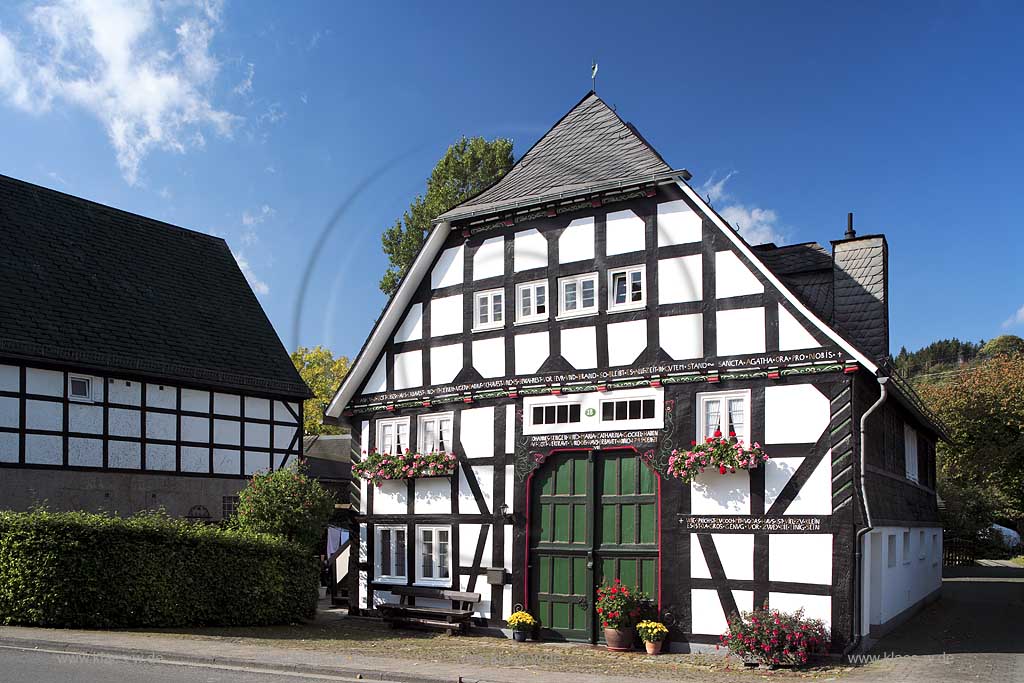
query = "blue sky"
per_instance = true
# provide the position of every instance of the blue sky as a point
(255, 121)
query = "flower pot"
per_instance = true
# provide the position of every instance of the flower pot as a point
(520, 636)
(619, 639)
(653, 648)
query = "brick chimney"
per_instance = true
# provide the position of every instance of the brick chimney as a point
(860, 271)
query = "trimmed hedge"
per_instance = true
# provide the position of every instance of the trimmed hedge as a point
(81, 570)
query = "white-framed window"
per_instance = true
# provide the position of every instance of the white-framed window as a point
(910, 451)
(391, 554)
(433, 555)
(906, 547)
(890, 558)
(79, 388)
(577, 295)
(532, 301)
(556, 414)
(489, 309)
(724, 411)
(435, 433)
(393, 435)
(627, 409)
(627, 288)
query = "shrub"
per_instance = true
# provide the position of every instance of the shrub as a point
(285, 502)
(773, 637)
(617, 605)
(80, 570)
(521, 621)
(651, 631)
(376, 468)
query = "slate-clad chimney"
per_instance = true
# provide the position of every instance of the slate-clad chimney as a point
(861, 290)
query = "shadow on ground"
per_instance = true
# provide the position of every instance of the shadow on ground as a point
(979, 612)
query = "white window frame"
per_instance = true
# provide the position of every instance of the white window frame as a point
(88, 385)
(628, 272)
(723, 414)
(910, 452)
(397, 423)
(389, 576)
(437, 419)
(488, 295)
(555, 405)
(578, 280)
(636, 423)
(590, 409)
(523, 318)
(437, 565)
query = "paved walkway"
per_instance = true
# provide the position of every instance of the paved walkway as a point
(971, 634)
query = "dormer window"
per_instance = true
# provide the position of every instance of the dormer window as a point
(489, 310)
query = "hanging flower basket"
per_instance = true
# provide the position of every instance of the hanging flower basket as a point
(725, 454)
(376, 468)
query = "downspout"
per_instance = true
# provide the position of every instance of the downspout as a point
(859, 561)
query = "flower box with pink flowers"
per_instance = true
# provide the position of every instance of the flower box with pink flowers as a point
(376, 467)
(728, 455)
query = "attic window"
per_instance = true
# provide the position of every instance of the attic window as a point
(79, 388)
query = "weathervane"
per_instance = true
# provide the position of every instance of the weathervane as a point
(593, 75)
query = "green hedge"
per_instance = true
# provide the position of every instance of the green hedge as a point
(80, 570)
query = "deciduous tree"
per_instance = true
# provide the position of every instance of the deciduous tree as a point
(323, 373)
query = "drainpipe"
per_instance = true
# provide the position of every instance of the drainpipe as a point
(858, 573)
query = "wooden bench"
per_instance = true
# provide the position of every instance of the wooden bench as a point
(407, 613)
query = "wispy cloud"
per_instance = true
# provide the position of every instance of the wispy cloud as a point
(756, 224)
(57, 177)
(145, 70)
(1015, 319)
(257, 216)
(244, 88)
(258, 285)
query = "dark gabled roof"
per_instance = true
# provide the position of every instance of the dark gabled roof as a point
(588, 145)
(94, 287)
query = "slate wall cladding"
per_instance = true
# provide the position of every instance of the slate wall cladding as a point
(861, 292)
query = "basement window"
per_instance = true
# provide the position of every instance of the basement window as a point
(79, 388)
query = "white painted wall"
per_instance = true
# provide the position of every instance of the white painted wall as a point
(682, 336)
(489, 259)
(708, 615)
(411, 328)
(678, 224)
(579, 347)
(625, 233)
(626, 341)
(911, 578)
(680, 279)
(800, 558)
(792, 334)
(449, 269)
(476, 433)
(489, 357)
(736, 552)
(781, 403)
(530, 250)
(433, 496)
(732, 278)
(484, 475)
(378, 382)
(446, 315)
(740, 331)
(531, 351)
(712, 493)
(445, 363)
(576, 243)
(409, 369)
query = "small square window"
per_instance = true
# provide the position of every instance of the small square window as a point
(533, 301)
(578, 295)
(79, 388)
(627, 288)
(489, 309)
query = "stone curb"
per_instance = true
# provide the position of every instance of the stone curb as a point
(174, 657)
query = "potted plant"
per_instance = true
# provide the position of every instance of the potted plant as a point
(376, 468)
(769, 637)
(652, 633)
(618, 607)
(726, 454)
(521, 624)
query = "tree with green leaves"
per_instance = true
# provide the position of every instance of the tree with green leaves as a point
(469, 166)
(323, 373)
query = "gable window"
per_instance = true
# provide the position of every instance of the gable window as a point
(79, 388)
(393, 435)
(578, 295)
(391, 553)
(910, 451)
(433, 549)
(724, 411)
(533, 301)
(561, 413)
(626, 288)
(627, 409)
(489, 309)
(435, 433)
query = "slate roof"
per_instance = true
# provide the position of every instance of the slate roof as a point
(93, 287)
(589, 145)
(807, 270)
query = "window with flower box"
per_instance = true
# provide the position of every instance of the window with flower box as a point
(726, 412)
(393, 435)
(435, 433)
(391, 554)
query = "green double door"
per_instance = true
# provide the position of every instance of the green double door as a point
(593, 518)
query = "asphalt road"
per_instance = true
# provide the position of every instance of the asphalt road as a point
(31, 666)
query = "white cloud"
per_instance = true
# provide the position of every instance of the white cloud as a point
(147, 85)
(1015, 319)
(258, 285)
(245, 87)
(165, 192)
(257, 216)
(755, 224)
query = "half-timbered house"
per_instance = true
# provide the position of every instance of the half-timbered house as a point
(137, 368)
(564, 332)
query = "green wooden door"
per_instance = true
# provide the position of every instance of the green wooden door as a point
(594, 517)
